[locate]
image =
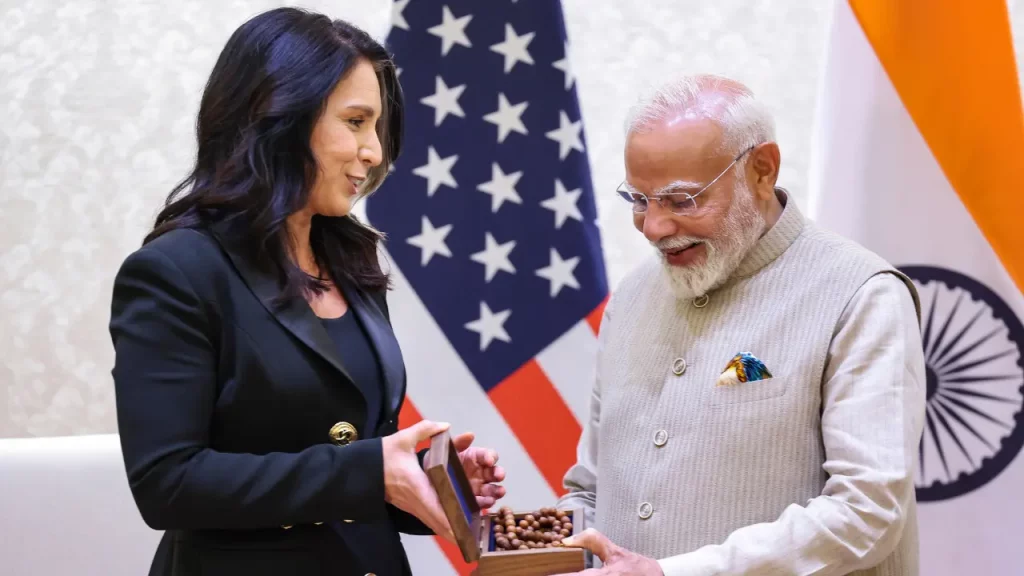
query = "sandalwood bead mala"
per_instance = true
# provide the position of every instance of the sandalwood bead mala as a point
(545, 528)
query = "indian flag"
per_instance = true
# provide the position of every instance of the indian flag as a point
(917, 155)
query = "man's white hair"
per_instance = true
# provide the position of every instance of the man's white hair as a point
(744, 119)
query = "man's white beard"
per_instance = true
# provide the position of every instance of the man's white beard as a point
(740, 231)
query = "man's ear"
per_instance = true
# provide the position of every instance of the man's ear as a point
(764, 164)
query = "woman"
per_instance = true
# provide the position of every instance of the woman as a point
(258, 380)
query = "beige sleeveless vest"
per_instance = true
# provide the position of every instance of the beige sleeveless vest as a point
(701, 461)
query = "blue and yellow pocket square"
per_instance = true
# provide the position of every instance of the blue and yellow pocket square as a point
(744, 367)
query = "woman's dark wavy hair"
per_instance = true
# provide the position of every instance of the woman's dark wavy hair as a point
(254, 166)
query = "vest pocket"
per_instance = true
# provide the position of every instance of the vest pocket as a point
(748, 391)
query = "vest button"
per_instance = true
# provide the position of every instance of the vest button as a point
(679, 366)
(660, 438)
(342, 433)
(646, 510)
(701, 301)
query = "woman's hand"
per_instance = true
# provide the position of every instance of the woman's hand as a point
(406, 485)
(481, 466)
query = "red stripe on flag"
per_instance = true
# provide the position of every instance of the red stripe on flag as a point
(408, 416)
(541, 420)
(594, 318)
(455, 557)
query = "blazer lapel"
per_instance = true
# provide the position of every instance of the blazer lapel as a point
(297, 317)
(383, 339)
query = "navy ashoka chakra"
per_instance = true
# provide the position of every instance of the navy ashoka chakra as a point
(974, 355)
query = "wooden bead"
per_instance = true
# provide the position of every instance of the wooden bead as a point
(567, 526)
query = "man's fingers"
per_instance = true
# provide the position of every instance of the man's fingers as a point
(482, 457)
(487, 457)
(592, 540)
(492, 490)
(496, 474)
(489, 494)
(424, 430)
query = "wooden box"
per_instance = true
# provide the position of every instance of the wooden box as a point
(474, 532)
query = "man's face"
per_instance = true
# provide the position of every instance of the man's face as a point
(702, 247)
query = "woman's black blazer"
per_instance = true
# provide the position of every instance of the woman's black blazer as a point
(236, 419)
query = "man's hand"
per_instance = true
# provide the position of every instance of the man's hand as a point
(617, 561)
(482, 470)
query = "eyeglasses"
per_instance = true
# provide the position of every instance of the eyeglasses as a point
(678, 203)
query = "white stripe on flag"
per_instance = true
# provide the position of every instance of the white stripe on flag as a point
(426, 557)
(874, 179)
(443, 389)
(569, 363)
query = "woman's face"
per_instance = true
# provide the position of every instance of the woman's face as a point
(345, 143)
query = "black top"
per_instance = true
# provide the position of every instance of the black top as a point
(359, 358)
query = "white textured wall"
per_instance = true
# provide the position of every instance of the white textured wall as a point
(97, 105)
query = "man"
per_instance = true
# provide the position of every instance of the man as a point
(760, 384)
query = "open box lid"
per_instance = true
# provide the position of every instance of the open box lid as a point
(453, 489)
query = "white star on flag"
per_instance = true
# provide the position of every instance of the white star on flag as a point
(566, 68)
(514, 48)
(430, 241)
(397, 19)
(563, 204)
(444, 100)
(567, 135)
(437, 171)
(494, 257)
(508, 117)
(502, 187)
(490, 326)
(451, 30)
(559, 272)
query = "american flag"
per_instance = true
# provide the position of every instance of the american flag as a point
(492, 240)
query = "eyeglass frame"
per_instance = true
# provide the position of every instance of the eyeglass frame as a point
(690, 197)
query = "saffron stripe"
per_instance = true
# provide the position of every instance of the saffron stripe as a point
(952, 64)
